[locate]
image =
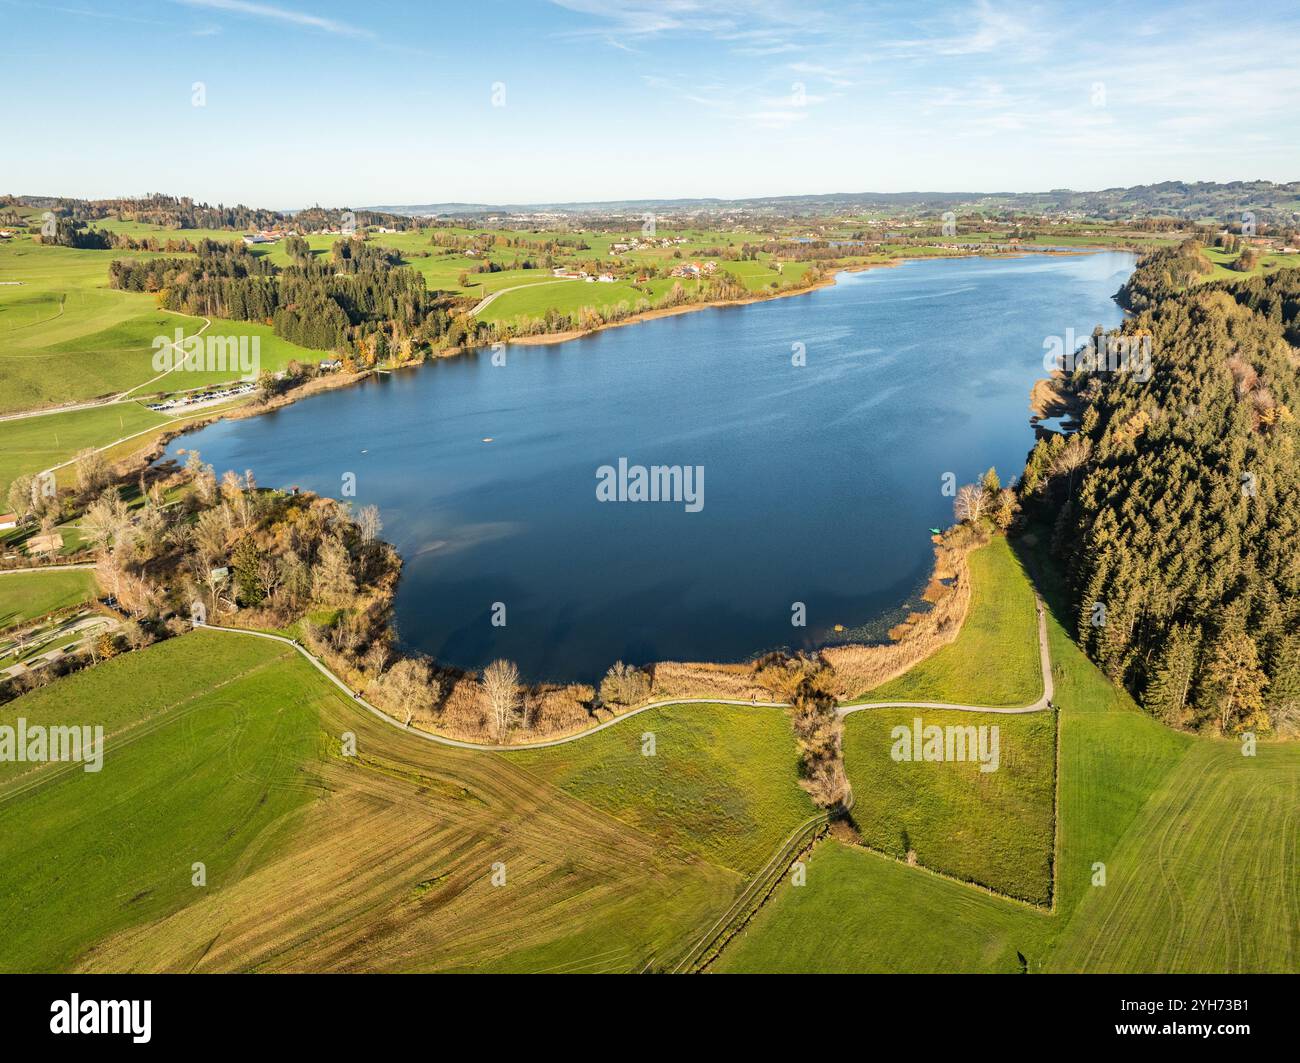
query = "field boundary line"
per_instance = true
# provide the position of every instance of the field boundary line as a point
(988, 891)
(1056, 809)
(764, 876)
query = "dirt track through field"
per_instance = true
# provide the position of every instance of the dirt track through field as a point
(1043, 702)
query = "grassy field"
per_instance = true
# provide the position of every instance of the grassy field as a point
(1222, 261)
(225, 749)
(860, 911)
(187, 776)
(27, 595)
(1198, 842)
(994, 661)
(1206, 878)
(722, 782)
(35, 443)
(91, 365)
(992, 828)
(65, 335)
(568, 297)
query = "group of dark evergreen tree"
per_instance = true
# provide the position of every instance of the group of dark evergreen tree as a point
(182, 212)
(357, 300)
(1176, 505)
(71, 233)
(172, 212)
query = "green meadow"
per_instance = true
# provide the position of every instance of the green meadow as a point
(1225, 271)
(65, 336)
(1197, 876)
(200, 763)
(991, 828)
(863, 912)
(722, 781)
(31, 444)
(24, 596)
(226, 751)
(994, 659)
(569, 297)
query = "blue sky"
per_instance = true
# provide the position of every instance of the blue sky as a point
(385, 102)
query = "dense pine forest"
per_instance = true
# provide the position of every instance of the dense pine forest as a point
(357, 300)
(1175, 508)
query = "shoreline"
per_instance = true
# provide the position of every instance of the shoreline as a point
(545, 339)
(860, 666)
(900, 640)
(340, 380)
(334, 381)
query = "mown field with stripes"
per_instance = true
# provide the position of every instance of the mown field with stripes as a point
(228, 752)
(1137, 849)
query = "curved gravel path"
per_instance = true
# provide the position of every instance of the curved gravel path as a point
(1044, 702)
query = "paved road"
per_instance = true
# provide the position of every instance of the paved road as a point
(487, 299)
(42, 568)
(113, 400)
(1042, 703)
(93, 626)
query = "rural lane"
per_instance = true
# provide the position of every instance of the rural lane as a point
(112, 400)
(1044, 702)
(43, 568)
(1044, 663)
(486, 301)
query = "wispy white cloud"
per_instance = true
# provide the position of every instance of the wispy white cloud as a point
(757, 27)
(92, 13)
(777, 118)
(979, 29)
(279, 14)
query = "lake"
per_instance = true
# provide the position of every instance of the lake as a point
(820, 481)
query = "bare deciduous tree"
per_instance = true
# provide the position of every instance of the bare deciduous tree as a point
(624, 685)
(21, 496)
(106, 520)
(368, 523)
(92, 472)
(500, 682)
(410, 688)
(332, 581)
(969, 504)
(239, 498)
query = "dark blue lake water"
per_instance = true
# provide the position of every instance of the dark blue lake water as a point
(820, 484)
